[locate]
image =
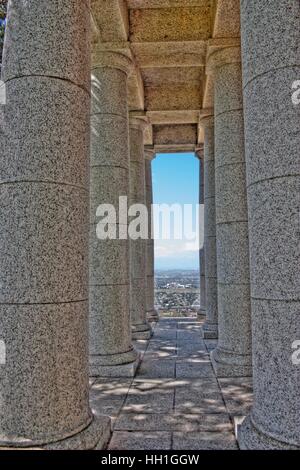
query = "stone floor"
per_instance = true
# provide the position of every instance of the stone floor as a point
(175, 400)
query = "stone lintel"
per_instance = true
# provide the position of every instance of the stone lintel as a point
(174, 117)
(170, 24)
(184, 148)
(140, 4)
(170, 54)
(178, 134)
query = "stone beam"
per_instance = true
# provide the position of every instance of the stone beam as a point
(170, 24)
(179, 134)
(174, 148)
(168, 89)
(139, 4)
(173, 97)
(174, 117)
(170, 54)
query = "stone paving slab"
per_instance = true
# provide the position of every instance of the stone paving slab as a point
(191, 326)
(238, 395)
(141, 345)
(198, 401)
(237, 407)
(236, 384)
(165, 333)
(151, 368)
(154, 383)
(180, 319)
(173, 422)
(191, 350)
(123, 440)
(107, 396)
(204, 441)
(193, 337)
(206, 384)
(156, 342)
(194, 368)
(175, 396)
(150, 397)
(157, 350)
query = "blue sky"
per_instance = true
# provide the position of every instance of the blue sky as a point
(176, 180)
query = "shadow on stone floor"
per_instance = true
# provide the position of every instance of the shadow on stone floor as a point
(175, 400)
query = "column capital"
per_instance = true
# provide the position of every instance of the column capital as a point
(199, 152)
(222, 56)
(149, 153)
(206, 118)
(138, 120)
(111, 59)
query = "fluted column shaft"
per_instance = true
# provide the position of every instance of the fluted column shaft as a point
(44, 226)
(202, 310)
(232, 357)
(152, 313)
(210, 328)
(272, 134)
(111, 350)
(140, 327)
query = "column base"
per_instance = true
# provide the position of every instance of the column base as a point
(210, 331)
(227, 364)
(250, 438)
(152, 316)
(201, 313)
(142, 331)
(121, 370)
(115, 365)
(95, 436)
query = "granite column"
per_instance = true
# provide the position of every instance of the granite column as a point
(232, 357)
(111, 350)
(202, 309)
(210, 328)
(152, 313)
(138, 295)
(44, 385)
(271, 68)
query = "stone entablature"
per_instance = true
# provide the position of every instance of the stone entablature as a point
(168, 42)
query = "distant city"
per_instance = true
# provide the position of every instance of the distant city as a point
(177, 292)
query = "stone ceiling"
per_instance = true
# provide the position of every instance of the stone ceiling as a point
(168, 41)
